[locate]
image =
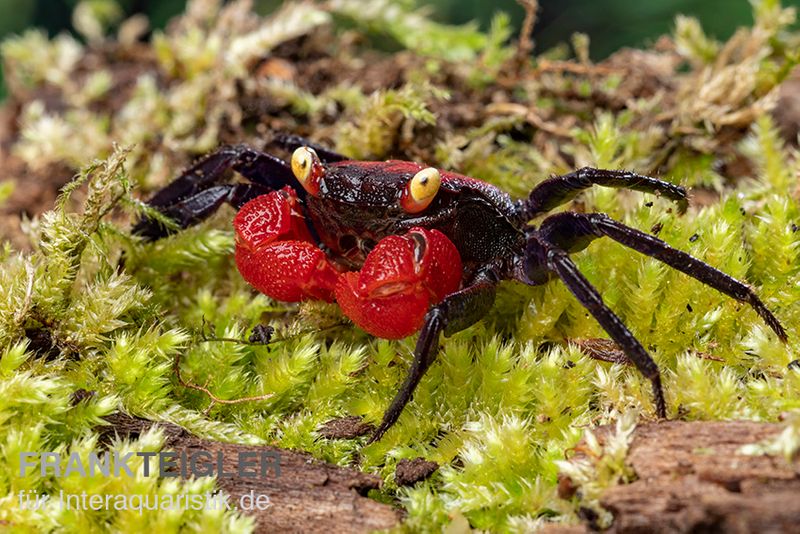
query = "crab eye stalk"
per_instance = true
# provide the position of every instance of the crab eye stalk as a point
(307, 168)
(421, 190)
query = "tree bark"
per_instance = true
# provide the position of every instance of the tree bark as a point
(308, 496)
(692, 477)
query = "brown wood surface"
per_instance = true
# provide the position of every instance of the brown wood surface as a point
(308, 496)
(692, 477)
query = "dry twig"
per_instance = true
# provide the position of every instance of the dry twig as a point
(525, 43)
(204, 389)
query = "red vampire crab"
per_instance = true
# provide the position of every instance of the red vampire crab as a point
(404, 248)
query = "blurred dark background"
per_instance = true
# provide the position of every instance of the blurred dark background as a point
(610, 24)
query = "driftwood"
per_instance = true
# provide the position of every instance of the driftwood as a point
(345, 428)
(692, 477)
(308, 496)
(409, 472)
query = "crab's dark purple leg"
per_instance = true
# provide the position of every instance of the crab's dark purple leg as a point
(196, 208)
(573, 231)
(540, 253)
(555, 191)
(292, 142)
(197, 192)
(456, 312)
(258, 167)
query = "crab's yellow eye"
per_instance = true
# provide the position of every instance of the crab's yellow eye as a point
(307, 168)
(421, 190)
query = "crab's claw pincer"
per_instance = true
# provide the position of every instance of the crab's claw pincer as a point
(275, 252)
(401, 277)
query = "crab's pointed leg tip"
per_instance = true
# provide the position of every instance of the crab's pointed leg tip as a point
(377, 435)
(777, 327)
(770, 320)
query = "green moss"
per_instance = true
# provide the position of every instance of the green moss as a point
(376, 128)
(601, 465)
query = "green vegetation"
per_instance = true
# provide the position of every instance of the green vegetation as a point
(91, 308)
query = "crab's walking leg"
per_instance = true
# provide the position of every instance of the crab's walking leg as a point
(559, 262)
(555, 191)
(198, 207)
(197, 193)
(456, 312)
(568, 230)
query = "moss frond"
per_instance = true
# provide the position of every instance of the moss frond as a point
(386, 118)
(601, 465)
(786, 444)
(32, 58)
(414, 30)
(692, 41)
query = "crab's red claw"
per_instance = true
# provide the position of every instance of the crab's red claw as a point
(275, 252)
(445, 270)
(391, 317)
(401, 277)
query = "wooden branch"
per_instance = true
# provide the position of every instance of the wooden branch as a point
(308, 496)
(693, 477)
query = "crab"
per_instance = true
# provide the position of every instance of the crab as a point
(403, 247)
